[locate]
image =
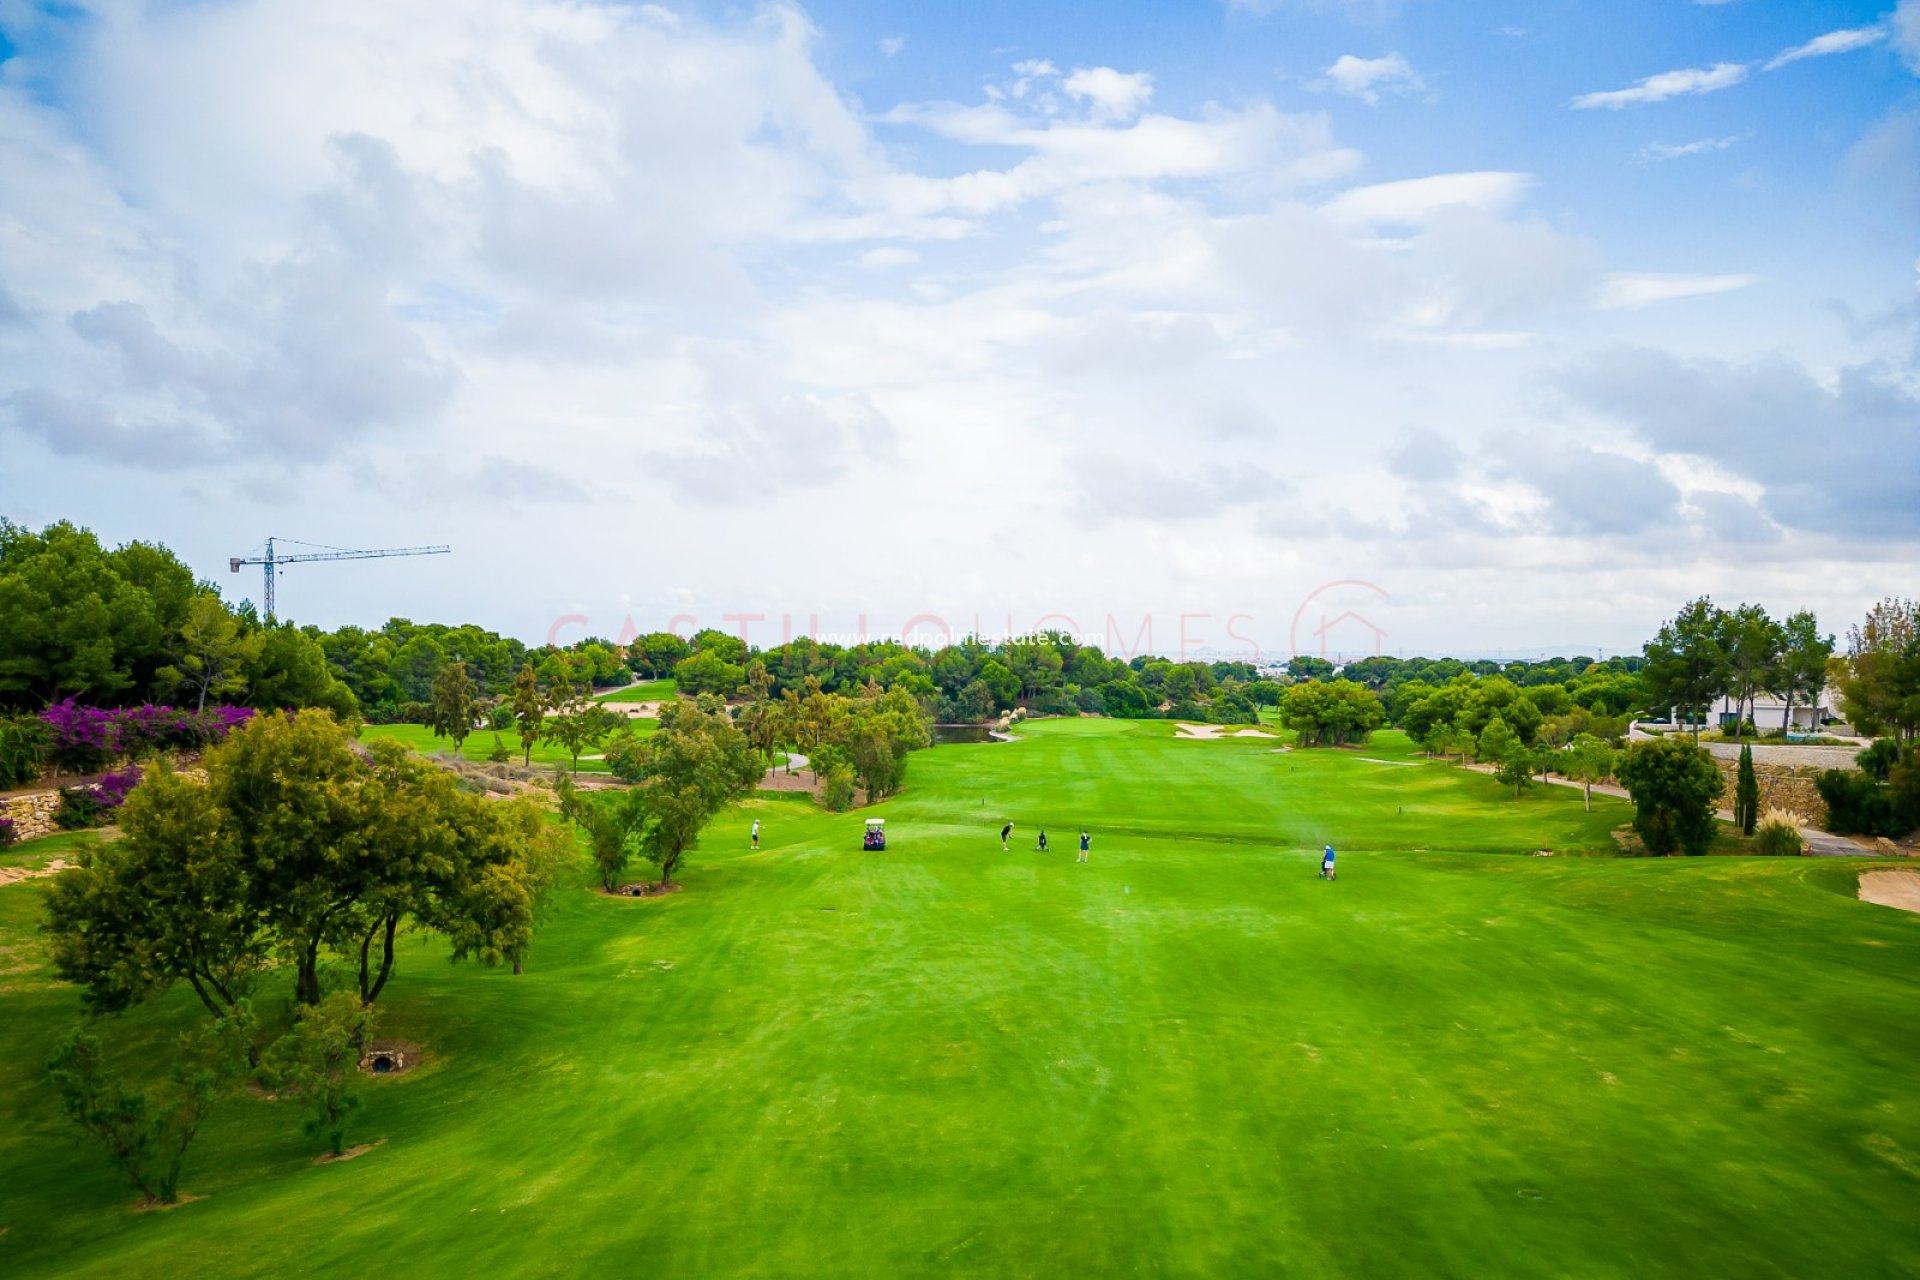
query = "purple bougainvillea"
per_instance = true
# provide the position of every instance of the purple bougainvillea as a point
(113, 788)
(87, 738)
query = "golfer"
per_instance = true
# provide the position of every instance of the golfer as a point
(756, 833)
(1043, 840)
(1004, 833)
(1326, 864)
(1086, 843)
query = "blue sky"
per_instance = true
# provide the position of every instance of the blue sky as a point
(1533, 320)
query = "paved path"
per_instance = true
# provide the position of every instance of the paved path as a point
(1819, 844)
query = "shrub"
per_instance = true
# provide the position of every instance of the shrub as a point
(1856, 804)
(79, 809)
(499, 753)
(1674, 785)
(1778, 834)
(837, 791)
(1879, 759)
(8, 832)
(500, 716)
(23, 746)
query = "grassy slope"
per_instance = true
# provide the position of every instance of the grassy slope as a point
(420, 738)
(1188, 1057)
(644, 691)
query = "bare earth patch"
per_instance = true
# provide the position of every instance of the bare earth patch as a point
(1892, 889)
(148, 1205)
(13, 875)
(351, 1153)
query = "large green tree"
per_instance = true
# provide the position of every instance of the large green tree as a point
(1800, 674)
(1686, 663)
(1880, 691)
(1332, 713)
(71, 622)
(210, 654)
(697, 764)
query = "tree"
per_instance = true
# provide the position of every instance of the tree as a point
(529, 711)
(1675, 786)
(146, 1131)
(1512, 759)
(1306, 667)
(317, 1063)
(697, 765)
(170, 901)
(1746, 793)
(1880, 691)
(1332, 713)
(1801, 672)
(613, 823)
(210, 654)
(707, 672)
(878, 737)
(1588, 760)
(295, 845)
(1687, 661)
(1753, 642)
(581, 728)
(70, 622)
(454, 706)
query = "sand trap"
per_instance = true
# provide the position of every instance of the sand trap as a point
(1892, 889)
(10, 875)
(1202, 732)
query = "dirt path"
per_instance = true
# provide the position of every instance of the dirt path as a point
(13, 875)
(1892, 889)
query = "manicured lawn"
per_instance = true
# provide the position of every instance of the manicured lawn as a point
(1188, 1057)
(480, 742)
(645, 691)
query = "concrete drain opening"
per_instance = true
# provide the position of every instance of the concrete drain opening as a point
(389, 1058)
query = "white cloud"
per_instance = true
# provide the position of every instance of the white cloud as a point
(1365, 78)
(1905, 27)
(1624, 291)
(1415, 200)
(1677, 150)
(1668, 84)
(1112, 95)
(1842, 41)
(892, 45)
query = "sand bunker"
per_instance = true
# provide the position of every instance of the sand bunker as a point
(1892, 889)
(1201, 732)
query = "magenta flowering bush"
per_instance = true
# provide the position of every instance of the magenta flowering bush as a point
(88, 738)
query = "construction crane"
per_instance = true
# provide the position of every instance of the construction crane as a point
(273, 559)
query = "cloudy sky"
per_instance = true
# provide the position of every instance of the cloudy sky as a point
(1430, 324)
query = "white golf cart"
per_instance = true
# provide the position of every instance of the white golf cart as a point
(876, 837)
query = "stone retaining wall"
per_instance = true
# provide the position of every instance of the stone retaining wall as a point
(1769, 753)
(1781, 787)
(33, 812)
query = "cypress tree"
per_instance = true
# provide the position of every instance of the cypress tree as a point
(1746, 795)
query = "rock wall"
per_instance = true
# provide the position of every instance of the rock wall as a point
(1782, 786)
(32, 814)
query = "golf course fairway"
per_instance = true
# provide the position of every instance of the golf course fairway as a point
(1188, 1057)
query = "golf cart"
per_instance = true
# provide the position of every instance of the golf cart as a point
(876, 837)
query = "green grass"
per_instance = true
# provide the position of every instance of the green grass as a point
(1188, 1057)
(479, 743)
(645, 691)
